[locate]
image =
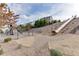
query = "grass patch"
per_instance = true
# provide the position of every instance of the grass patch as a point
(7, 39)
(55, 52)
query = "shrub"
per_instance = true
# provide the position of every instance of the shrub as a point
(1, 51)
(1, 31)
(7, 39)
(55, 52)
(19, 46)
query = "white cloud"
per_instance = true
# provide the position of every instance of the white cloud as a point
(63, 11)
(18, 8)
(23, 17)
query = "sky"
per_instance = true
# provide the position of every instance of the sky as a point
(33, 11)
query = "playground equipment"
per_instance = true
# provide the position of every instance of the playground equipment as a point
(63, 25)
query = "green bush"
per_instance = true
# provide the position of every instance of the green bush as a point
(55, 52)
(7, 39)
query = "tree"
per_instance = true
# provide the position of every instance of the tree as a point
(41, 22)
(59, 20)
(28, 26)
(3, 5)
(54, 21)
(7, 17)
(37, 23)
(2, 9)
(21, 28)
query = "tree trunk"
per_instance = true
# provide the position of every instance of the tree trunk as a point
(11, 30)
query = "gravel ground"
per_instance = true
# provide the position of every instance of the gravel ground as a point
(68, 44)
(39, 45)
(36, 45)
